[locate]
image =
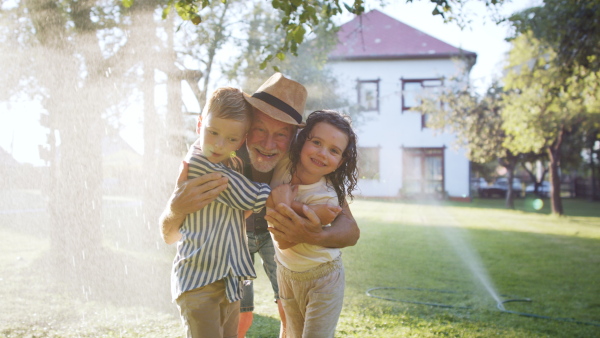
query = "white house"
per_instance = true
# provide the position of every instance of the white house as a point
(383, 66)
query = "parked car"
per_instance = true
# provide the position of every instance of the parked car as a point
(477, 183)
(499, 188)
(543, 189)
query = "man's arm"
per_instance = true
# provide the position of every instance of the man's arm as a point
(189, 196)
(291, 227)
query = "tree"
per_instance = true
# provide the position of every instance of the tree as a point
(74, 93)
(307, 68)
(299, 17)
(570, 28)
(477, 123)
(545, 106)
(78, 60)
(202, 43)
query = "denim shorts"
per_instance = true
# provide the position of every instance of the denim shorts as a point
(263, 245)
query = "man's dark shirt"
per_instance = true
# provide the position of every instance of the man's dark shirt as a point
(256, 222)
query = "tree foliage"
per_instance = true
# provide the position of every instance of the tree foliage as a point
(307, 68)
(300, 17)
(570, 28)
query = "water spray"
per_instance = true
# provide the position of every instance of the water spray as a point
(499, 305)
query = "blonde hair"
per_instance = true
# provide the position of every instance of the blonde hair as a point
(229, 103)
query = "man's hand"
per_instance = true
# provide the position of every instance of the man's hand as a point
(288, 226)
(189, 196)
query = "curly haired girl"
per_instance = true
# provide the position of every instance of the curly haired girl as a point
(321, 171)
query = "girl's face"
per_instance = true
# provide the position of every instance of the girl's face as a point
(220, 137)
(322, 152)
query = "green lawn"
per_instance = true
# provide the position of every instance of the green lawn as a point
(461, 255)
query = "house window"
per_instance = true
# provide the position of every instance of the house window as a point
(368, 95)
(423, 171)
(368, 163)
(414, 89)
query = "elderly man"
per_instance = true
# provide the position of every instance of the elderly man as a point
(278, 106)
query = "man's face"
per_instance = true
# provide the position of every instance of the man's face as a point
(268, 141)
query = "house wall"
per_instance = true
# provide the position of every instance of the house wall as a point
(391, 129)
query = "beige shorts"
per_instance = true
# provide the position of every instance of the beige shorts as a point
(206, 312)
(313, 299)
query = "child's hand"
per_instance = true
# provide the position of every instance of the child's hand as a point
(326, 213)
(247, 213)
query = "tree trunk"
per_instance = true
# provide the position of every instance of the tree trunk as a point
(510, 163)
(510, 195)
(175, 143)
(74, 106)
(554, 155)
(593, 193)
(143, 43)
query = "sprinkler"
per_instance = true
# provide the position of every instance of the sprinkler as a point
(499, 305)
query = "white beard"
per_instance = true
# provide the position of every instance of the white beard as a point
(262, 165)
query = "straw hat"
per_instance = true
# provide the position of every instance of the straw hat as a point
(281, 99)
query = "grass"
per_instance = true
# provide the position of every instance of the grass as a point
(457, 254)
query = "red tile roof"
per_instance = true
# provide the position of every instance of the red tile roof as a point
(375, 35)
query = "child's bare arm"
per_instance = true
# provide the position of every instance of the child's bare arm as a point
(326, 213)
(286, 193)
(282, 194)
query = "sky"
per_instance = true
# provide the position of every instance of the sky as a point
(21, 133)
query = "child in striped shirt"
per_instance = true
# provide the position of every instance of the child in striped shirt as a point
(212, 259)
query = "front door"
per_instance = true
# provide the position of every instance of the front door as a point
(423, 170)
